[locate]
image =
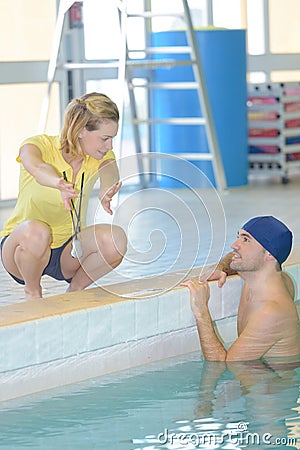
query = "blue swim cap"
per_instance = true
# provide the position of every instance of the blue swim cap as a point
(272, 234)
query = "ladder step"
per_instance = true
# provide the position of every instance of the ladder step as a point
(195, 156)
(155, 63)
(173, 50)
(191, 156)
(174, 85)
(149, 15)
(90, 65)
(137, 63)
(174, 121)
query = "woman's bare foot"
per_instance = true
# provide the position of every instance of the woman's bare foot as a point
(31, 295)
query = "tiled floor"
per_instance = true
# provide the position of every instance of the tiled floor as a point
(171, 230)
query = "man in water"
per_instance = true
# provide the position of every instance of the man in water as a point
(268, 322)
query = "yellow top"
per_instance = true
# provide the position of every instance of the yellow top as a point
(37, 202)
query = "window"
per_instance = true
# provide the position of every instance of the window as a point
(255, 27)
(227, 14)
(284, 26)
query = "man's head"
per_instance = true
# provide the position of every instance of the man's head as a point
(272, 234)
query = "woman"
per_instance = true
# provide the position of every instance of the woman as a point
(57, 175)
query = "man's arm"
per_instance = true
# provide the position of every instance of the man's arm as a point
(211, 376)
(259, 335)
(212, 347)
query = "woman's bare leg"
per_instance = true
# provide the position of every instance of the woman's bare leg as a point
(103, 248)
(26, 253)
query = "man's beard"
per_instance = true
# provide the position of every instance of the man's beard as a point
(246, 266)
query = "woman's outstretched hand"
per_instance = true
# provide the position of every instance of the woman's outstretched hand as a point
(67, 192)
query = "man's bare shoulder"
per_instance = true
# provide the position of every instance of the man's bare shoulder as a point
(281, 307)
(270, 330)
(282, 321)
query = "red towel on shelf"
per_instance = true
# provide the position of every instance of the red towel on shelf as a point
(292, 123)
(292, 106)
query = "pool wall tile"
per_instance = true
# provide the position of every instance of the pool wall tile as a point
(123, 322)
(164, 346)
(75, 333)
(18, 346)
(168, 312)
(186, 316)
(49, 338)
(146, 314)
(99, 327)
(215, 301)
(88, 365)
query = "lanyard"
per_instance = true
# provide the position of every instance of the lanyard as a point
(76, 247)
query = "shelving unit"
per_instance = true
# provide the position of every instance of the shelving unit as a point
(274, 129)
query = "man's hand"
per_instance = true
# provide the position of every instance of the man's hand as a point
(106, 198)
(200, 294)
(212, 273)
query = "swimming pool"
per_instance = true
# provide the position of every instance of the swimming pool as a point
(179, 403)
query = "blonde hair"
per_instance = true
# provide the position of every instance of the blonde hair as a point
(87, 111)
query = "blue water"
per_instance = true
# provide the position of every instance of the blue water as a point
(181, 403)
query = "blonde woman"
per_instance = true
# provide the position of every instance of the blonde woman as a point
(46, 233)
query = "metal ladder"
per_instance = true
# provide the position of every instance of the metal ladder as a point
(128, 66)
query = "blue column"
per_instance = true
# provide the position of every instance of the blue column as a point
(223, 55)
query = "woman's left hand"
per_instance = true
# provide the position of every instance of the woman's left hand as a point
(106, 198)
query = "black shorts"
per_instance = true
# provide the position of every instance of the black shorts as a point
(52, 269)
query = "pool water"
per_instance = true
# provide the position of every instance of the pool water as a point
(179, 403)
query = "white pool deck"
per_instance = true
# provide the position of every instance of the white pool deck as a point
(132, 319)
